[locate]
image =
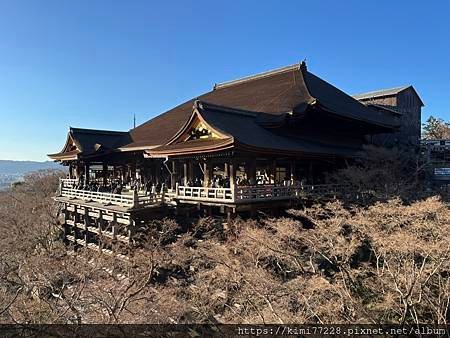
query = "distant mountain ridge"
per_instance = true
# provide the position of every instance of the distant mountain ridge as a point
(9, 167)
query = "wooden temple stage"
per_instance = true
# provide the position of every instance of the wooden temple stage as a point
(262, 142)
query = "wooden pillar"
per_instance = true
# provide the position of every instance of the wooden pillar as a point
(75, 221)
(232, 168)
(66, 218)
(75, 214)
(191, 171)
(131, 231)
(292, 172)
(226, 169)
(86, 174)
(77, 171)
(105, 174)
(207, 173)
(86, 224)
(251, 171)
(185, 173)
(100, 228)
(273, 169)
(311, 173)
(114, 226)
(231, 213)
(174, 175)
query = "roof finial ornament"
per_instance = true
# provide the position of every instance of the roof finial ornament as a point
(303, 65)
(198, 104)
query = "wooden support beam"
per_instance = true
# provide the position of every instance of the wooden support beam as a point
(100, 228)
(86, 224)
(207, 173)
(251, 170)
(292, 170)
(174, 175)
(105, 173)
(66, 218)
(191, 171)
(77, 171)
(70, 170)
(185, 173)
(131, 230)
(114, 226)
(231, 213)
(86, 174)
(273, 169)
(232, 167)
(310, 173)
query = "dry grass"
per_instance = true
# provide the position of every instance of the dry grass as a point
(384, 263)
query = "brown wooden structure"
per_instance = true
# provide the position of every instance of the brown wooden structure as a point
(262, 141)
(403, 102)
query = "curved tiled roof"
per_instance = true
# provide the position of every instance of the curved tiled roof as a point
(90, 142)
(275, 93)
(243, 131)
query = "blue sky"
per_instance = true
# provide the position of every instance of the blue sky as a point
(95, 63)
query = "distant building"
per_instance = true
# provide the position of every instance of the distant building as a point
(404, 102)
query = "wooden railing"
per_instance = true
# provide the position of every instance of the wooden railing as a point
(264, 193)
(131, 200)
(240, 194)
(69, 182)
(101, 197)
(321, 190)
(204, 194)
(256, 193)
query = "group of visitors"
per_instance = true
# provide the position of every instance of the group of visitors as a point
(114, 187)
(216, 182)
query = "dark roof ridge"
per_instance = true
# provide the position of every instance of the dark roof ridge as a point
(206, 105)
(97, 131)
(381, 92)
(386, 92)
(257, 76)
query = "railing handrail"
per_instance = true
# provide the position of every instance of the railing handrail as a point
(239, 194)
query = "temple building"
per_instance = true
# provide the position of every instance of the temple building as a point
(257, 142)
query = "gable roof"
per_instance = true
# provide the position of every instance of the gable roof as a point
(242, 130)
(275, 92)
(385, 92)
(89, 142)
